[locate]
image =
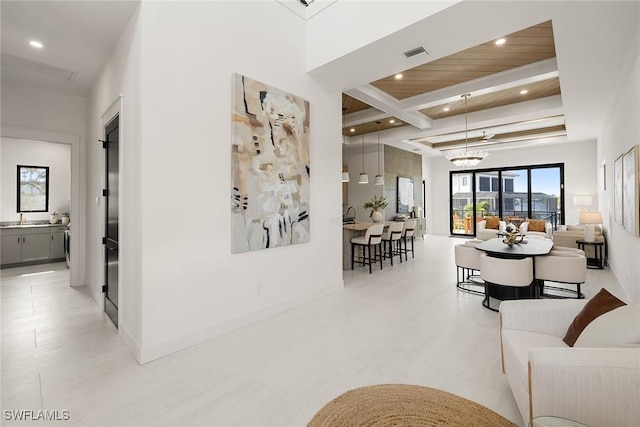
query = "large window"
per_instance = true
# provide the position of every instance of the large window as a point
(514, 194)
(33, 188)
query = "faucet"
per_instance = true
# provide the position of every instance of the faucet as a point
(354, 213)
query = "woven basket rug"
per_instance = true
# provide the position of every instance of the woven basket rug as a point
(405, 405)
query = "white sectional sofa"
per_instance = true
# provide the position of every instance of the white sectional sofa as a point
(484, 233)
(594, 386)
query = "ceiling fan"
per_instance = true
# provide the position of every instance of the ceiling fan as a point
(487, 137)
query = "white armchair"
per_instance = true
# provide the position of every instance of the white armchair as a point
(595, 386)
(484, 233)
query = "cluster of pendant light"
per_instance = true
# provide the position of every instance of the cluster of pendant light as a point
(364, 178)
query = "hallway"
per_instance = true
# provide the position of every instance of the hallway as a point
(404, 324)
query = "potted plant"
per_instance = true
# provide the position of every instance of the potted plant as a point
(376, 205)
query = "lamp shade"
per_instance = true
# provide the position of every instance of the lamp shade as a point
(345, 176)
(364, 178)
(582, 200)
(590, 217)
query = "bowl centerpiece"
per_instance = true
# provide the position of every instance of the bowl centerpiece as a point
(511, 235)
(376, 205)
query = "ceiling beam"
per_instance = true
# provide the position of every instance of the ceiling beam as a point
(380, 100)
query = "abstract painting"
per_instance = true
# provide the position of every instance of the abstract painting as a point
(405, 195)
(617, 190)
(630, 199)
(270, 167)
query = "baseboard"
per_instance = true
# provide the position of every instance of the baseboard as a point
(156, 351)
(131, 343)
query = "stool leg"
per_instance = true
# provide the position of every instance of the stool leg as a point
(370, 259)
(352, 255)
(381, 258)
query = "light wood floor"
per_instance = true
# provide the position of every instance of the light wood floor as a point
(405, 324)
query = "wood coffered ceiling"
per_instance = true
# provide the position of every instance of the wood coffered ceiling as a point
(418, 92)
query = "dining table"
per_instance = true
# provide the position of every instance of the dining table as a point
(526, 248)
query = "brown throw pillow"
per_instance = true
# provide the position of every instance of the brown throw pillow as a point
(493, 222)
(601, 303)
(537, 225)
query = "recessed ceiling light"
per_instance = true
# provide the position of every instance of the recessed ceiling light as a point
(352, 130)
(500, 42)
(36, 43)
(524, 92)
(398, 76)
(392, 121)
(446, 109)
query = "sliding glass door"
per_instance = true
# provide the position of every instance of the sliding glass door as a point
(514, 194)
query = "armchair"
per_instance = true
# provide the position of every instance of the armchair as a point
(484, 233)
(595, 386)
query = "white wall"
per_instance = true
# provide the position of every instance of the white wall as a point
(120, 76)
(187, 286)
(620, 134)
(346, 26)
(580, 176)
(359, 194)
(35, 153)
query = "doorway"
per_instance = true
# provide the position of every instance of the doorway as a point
(111, 145)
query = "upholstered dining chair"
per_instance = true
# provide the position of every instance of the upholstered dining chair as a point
(408, 233)
(561, 266)
(372, 240)
(467, 259)
(506, 273)
(392, 241)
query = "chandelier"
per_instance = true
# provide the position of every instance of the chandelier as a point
(466, 158)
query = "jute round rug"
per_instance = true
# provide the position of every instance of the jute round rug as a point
(405, 405)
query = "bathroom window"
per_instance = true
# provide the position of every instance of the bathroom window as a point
(33, 188)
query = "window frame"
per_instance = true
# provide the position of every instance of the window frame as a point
(19, 192)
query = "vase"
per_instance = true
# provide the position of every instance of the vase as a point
(376, 216)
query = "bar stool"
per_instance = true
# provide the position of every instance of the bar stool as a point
(372, 240)
(393, 238)
(506, 278)
(561, 266)
(467, 259)
(408, 232)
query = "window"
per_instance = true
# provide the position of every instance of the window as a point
(485, 183)
(33, 189)
(508, 185)
(534, 191)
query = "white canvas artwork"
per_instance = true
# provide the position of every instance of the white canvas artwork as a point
(630, 191)
(270, 167)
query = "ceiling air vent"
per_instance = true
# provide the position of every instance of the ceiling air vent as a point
(416, 51)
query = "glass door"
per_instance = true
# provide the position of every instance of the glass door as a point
(462, 204)
(515, 196)
(546, 194)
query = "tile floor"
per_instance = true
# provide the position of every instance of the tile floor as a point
(405, 324)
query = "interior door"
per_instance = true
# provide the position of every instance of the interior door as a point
(111, 145)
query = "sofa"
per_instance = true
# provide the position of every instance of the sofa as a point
(567, 238)
(547, 233)
(484, 233)
(597, 386)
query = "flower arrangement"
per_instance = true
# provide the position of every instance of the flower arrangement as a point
(376, 204)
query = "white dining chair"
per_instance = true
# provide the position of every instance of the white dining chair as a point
(564, 267)
(507, 273)
(467, 259)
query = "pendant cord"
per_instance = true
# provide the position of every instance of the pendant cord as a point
(378, 147)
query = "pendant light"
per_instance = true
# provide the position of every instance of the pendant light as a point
(345, 174)
(379, 179)
(466, 158)
(364, 178)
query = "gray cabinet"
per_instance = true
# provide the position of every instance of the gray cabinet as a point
(31, 244)
(35, 245)
(56, 243)
(11, 251)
